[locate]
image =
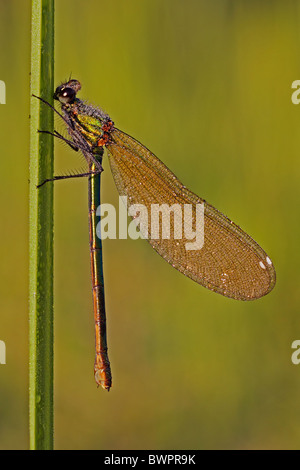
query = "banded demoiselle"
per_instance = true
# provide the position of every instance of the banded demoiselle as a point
(230, 262)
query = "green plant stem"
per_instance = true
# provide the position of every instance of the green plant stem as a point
(41, 229)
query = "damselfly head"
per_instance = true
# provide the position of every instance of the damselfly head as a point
(66, 93)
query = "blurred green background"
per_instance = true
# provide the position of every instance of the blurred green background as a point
(207, 87)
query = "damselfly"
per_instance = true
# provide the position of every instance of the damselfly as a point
(230, 262)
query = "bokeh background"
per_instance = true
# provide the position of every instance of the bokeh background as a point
(207, 87)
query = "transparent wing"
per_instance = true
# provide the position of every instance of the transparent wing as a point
(230, 262)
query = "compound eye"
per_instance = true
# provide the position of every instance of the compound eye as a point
(65, 95)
